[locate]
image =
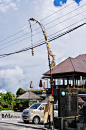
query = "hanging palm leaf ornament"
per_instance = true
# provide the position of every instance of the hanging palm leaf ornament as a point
(52, 64)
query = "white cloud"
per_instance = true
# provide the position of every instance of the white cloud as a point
(13, 5)
(4, 7)
(12, 73)
(7, 0)
(3, 91)
(12, 79)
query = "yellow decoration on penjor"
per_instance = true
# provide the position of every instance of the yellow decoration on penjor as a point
(46, 38)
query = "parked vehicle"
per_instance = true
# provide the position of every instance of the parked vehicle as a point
(35, 113)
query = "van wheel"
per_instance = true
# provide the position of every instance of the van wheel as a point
(36, 120)
(26, 121)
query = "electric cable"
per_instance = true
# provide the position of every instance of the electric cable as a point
(48, 36)
(61, 30)
(51, 39)
(40, 20)
(46, 28)
(44, 25)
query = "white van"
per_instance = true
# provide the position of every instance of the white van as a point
(35, 113)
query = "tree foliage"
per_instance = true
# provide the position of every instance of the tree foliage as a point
(20, 90)
(14, 97)
(8, 97)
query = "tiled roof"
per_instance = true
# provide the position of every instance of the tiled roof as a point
(69, 65)
(82, 57)
(28, 95)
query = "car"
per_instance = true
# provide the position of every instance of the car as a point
(35, 113)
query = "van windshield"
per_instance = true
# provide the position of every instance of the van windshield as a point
(35, 106)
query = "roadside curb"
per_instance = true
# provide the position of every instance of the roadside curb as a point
(25, 125)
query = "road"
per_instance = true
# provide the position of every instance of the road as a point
(16, 122)
(4, 126)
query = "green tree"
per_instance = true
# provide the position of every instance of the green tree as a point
(1, 98)
(1, 107)
(8, 97)
(14, 97)
(19, 91)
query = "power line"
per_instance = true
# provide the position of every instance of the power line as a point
(46, 24)
(51, 39)
(61, 30)
(46, 28)
(40, 20)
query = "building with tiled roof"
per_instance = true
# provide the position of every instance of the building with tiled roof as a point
(71, 71)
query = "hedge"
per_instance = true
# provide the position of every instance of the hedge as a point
(6, 109)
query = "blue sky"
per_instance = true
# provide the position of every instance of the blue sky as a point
(19, 69)
(61, 2)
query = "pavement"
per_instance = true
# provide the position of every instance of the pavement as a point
(22, 124)
(16, 120)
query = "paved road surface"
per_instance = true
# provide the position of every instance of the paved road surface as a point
(5, 126)
(16, 123)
